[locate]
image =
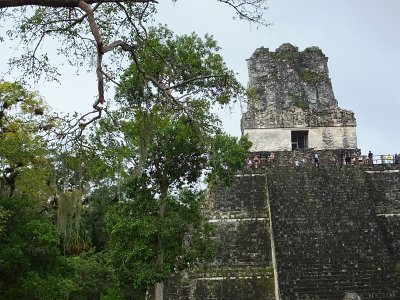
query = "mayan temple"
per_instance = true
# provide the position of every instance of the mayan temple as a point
(290, 229)
(292, 103)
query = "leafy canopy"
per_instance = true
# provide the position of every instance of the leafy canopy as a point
(23, 151)
(90, 34)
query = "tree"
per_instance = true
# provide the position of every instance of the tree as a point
(23, 125)
(169, 146)
(31, 265)
(153, 150)
(93, 277)
(158, 226)
(146, 248)
(87, 31)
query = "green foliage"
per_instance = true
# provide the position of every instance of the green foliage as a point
(227, 157)
(176, 153)
(292, 56)
(31, 266)
(157, 226)
(252, 98)
(40, 287)
(299, 101)
(186, 66)
(94, 216)
(135, 228)
(116, 294)
(23, 162)
(93, 276)
(14, 95)
(311, 77)
(141, 166)
(4, 215)
(310, 50)
(129, 188)
(146, 245)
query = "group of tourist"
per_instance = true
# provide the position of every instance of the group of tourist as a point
(383, 159)
(258, 160)
(369, 159)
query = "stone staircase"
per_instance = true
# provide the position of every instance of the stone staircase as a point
(326, 235)
(242, 268)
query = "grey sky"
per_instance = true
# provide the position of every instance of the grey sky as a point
(360, 37)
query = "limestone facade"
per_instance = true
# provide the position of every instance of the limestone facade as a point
(292, 105)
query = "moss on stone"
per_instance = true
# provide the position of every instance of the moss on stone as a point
(252, 97)
(397, 268)
(313, 50)
(311, 77)
(299, 102)
(274, 73)
(288, 55)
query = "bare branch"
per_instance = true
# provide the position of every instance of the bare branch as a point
(250, 10)
(99, 42)
(62, 3)
(111, 79)
(131, 22)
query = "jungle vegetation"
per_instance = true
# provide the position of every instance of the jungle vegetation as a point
(108, 205)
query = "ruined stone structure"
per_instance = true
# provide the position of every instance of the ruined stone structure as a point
(304, 232)
(294, 232)
(292, 105)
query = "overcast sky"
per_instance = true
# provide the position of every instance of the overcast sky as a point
(361, 38)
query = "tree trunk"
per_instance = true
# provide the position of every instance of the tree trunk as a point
(159, 291)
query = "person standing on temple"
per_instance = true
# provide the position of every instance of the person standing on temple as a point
(316, 159)
(370, 158)
(347, 159)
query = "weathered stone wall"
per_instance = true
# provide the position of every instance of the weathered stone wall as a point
(291, 91)
(384, 187)
(285, 232)
(287, 78)
(297, 117)
(390, 226)
(327, 236)
(319, 138)
(242, 268)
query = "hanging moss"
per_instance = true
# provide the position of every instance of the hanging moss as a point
(145, 123)
(69, 210)
(69, 207)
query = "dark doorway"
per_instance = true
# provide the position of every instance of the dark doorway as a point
(299, 140)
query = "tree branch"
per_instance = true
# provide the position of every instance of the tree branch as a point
(62, 3)
(100, 50)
